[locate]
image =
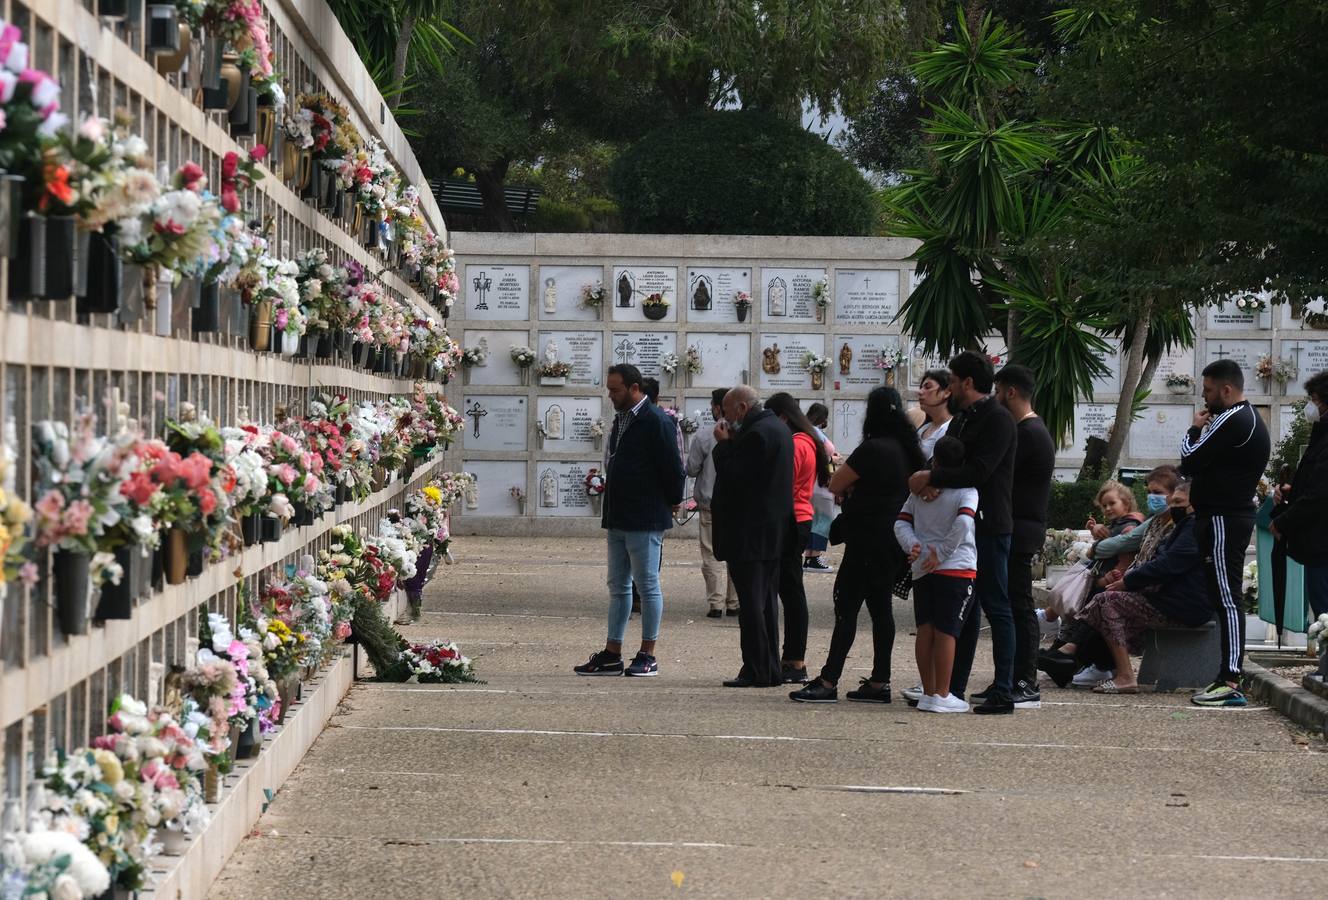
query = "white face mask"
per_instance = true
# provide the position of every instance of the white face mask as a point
(1311, 412)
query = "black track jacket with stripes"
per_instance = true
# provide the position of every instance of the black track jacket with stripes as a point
(1225, 461)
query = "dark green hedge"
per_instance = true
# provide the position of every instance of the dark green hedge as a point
(739, 172)
(1072, 502)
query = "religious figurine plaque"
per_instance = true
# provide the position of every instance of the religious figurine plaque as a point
(494, 481)
(644, 349)
(710, 294)
(567, 421)
(497, 292)
(494, 422)
(584, 350)
(632, 284)
(562, 488)
(782, 356)
(497, 368)
(786, 295)
(561, 287)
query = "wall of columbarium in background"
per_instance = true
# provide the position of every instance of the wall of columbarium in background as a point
(525, 290)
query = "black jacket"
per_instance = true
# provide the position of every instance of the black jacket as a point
(1226, 460)
(1302, 520)
(988, 434)
(645, 479)
(753, 501)
(1176, 576)
(1034, 468)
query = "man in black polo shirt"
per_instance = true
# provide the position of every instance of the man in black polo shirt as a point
(1034, 466)
(988, 435)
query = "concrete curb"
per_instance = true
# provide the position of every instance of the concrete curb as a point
(1287, 697)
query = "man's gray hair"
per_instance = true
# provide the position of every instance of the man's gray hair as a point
(745, 393)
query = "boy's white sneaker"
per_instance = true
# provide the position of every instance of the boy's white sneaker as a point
(926, 703)
(948, 704)
(1092, 676)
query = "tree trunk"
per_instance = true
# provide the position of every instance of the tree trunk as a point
(1130, 381)
(490, 183)
(402, 55)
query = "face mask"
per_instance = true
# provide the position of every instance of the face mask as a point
(1312, 412)
(735, 427)
(1178, 514)
(1157, 503)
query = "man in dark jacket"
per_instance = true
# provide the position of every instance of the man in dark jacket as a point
(988, 435)
(1300, 518)
(643, 484)
(1034, 466)
(1224, 454)
(753, 522)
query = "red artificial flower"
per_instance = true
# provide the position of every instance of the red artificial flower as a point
(259, 153)
(207, 501)
(57, 185)
(230, 163)
(171, 227)
(139, 488)
(230, 201)
(191, 173)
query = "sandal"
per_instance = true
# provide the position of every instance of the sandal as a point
(1109, 687)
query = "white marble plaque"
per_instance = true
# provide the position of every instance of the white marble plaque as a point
(786, 294)
(1226, 317)
(560, 488)
(866, 296)
(583, 349)
(643, 349)
(786, 351)
(710, 294)
(1309, 357)
(567, 422)
(1091, 420)
(560, 286)
(494, 422)
(497, 292)
(498, 367)
(846, 424)
(1174, 362)
(632, 284)
(1111, 382)
(495, 480)
(920, 362)
(1286, 417)
(855, 361)
(698, 407)
(725, 358)
(1244, 352)
(1157, 435)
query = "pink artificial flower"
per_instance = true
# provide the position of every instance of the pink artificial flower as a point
(311, 484)
(27, 573)
(207, 501)
(51, 504)
(259, 153)
(139, 488)
(196, 470)
(191, 173)
(77, 517)
(286, 472)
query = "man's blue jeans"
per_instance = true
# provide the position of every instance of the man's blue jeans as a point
(993, 593)
(634, 558)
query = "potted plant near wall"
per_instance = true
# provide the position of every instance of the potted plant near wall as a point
(592, 296)
(524, 357)
(821, 298)
(742, 303)
(554, 374)
(655, 307)
(816, 366)
(595, 485)
(1180, 383)
(519, 498)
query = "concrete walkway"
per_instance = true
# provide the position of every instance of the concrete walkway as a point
(541, 784)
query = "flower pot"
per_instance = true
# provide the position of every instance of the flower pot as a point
(654, 312)
(525, 375)
(260, 325)
(331, 192)
(520, 506)
(742, 313)
(117, 600)
(890, 378)
(11, 213)
(101, 274)
(243, 117)
(251, 528)
(286, 690)
(316, 185)
(115, 10)
(158, 569)
(290, 343)
(550, 381)
(265, 129)
(250, 738)
(820, 314)
(598, 441)
(306, 515)
(197, 561)
(175, 555)
(205, 318)
(211, 784)
(271, 530)
(1179, 389)
(343, 494)
(71, 570)
(144, 570)
(173, 842)
(596, 504)
(162, 31)
(818, 381)
(234, 737)
(169, 62)
(338, 201)
(322, 344)
(234, 79)
(51, 249)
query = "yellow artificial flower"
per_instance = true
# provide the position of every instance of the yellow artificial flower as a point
(433, 494)
(111, 770)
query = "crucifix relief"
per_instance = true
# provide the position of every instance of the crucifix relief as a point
(481, 284)
(624, 351)
(476, 412)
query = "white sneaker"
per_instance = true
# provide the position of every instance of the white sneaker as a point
(926, 703)
(948, 704)
(913, 694)
(1092, 676)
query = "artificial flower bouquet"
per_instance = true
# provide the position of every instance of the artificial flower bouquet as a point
(437, 662)
(594, 483)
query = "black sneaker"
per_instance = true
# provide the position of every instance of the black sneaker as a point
(982, 695)
(715, 614)
(601, 663)
(815, 692)
(994, 706)
(643, 666)
(1059, 667)
(818, 564)
(731, 613)
(792, 675)
(1026, 696)
(865, 693)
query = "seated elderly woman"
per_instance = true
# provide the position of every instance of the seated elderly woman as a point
(1168, 590)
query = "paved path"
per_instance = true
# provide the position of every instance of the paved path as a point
(541, 784)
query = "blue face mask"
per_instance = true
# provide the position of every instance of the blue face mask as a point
(1157, 503)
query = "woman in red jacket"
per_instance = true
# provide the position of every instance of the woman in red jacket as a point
(811, 466)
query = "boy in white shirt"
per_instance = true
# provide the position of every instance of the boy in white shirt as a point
(938, 537)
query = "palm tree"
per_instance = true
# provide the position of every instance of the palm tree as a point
(398, 39)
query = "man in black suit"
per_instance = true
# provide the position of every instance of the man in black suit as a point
(753, 521)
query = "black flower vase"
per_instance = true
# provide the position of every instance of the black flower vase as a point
(104, 274)
(195, 563)
(71, 570)
(327, 199)
(308, 515)
(338, 201)
(61, 252)
(163, 29)
(251, 528)
(117, 600)
(323, 345)
(27, 269)
(271, 529)
(158, 576)
(113, 9)
(244, 747)
(206, 316)
(11, 213)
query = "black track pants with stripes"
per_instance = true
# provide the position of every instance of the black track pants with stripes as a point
(1223, 540)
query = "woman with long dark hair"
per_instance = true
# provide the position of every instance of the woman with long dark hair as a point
(811, 466)
(872, 485)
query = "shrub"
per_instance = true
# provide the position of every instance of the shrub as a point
(553, 215)
(740, 172)
(1072, 502)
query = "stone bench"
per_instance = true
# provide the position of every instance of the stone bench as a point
(1176, 658)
